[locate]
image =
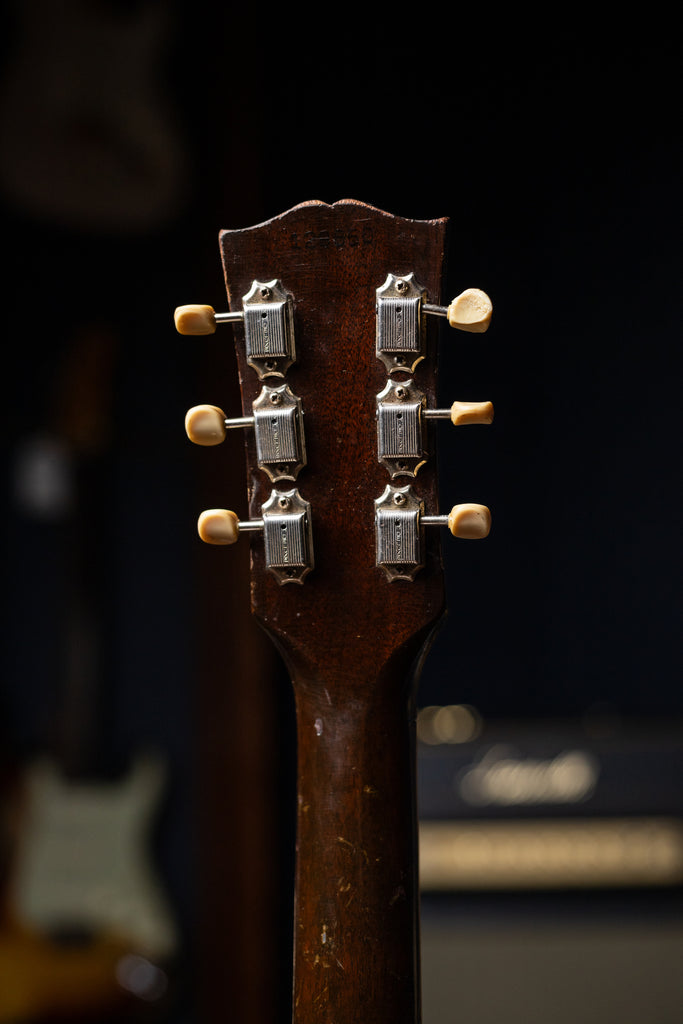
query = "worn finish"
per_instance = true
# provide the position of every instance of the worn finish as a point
(350, 638)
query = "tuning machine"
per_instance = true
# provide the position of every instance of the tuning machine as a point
(286, 526)
(277, 422)
(401, 411)
(399, 529)
(267, 316)
(401, 309)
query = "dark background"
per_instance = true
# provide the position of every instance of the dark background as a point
(131, 133)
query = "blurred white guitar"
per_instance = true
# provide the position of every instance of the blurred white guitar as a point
(84, 857)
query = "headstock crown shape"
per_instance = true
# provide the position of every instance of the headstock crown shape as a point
(336, 314)
(336, 351)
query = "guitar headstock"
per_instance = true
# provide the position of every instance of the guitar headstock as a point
(336, 312)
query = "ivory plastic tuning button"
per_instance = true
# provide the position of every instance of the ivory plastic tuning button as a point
(195, 319)
(221, 526)
(399, 529)
(286, 528)
(470, 311)
(207, 424)
(462, 413)
(401, 409)
(401, 308)
(267, 315)
(278, 425)
(467, 521)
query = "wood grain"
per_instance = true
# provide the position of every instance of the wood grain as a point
(351, 640)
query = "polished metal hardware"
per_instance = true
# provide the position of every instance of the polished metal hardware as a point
(401, 311)
(267, 316)
(286, 526)
(399, 529)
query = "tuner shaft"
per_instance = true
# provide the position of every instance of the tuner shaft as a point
(462, 413)
(467, 521)
(286, 528)
(470, 311)
(268, 326)
(401, 409)
(399, 529)
(400, 328)
(278, 426)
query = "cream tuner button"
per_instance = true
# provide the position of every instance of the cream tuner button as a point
(218, 526)
(471, 311)
(205, 425)
(285, 524)
(195, 319)
(399, 519)
(267, 319)
(462, 413)
(469, 521)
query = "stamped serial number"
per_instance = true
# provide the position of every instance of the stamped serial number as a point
(325, 239)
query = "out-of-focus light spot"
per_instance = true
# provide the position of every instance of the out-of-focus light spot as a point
(450, 723)
(43, 478)
(141, 978)
(502, 779)
(547, 854)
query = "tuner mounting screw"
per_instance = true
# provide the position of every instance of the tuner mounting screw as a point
(264, 291)
(399, 499)
(286, 527)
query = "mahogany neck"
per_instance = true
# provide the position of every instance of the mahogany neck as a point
(349, 636)
(356, 930)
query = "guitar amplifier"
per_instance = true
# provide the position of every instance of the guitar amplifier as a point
(547, 805)
(551, 868)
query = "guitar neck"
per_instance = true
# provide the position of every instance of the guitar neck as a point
(356, 913)
(356, 897)
(346, 579)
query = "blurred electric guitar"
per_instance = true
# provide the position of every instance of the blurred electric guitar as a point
(83, 918)
(336, 310)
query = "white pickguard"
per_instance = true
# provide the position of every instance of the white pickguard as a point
(84, 856)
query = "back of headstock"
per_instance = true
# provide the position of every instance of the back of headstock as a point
(336, 321)
(322, 266)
